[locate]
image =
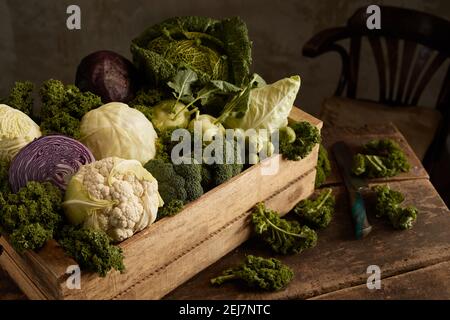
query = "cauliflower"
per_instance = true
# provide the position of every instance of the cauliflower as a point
(115, 195)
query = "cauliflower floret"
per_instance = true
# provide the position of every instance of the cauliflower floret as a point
(123, 197)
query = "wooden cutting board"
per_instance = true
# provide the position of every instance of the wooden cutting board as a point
(356, 138)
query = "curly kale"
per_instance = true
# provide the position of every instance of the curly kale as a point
(323, 169)
(306, 137)
(91, 249)
(380, 158)
(388, 203)
(147, 98)
(32, 215)
(21, 97)
(285, 237)
(318, 212)
(257, 272)
(4, 176)
(64, 106)
(177, 184)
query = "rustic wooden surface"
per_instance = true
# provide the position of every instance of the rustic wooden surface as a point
(429, 283)
(339, 261)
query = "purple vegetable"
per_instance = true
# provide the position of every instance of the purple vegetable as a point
(108, 75)
(53, 158)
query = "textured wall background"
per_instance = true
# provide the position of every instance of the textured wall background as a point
(36, 45)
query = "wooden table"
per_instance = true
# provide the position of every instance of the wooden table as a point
(415, 264)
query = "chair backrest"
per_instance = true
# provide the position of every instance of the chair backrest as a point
(408, 50)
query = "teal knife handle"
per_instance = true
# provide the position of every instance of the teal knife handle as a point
(361, 224)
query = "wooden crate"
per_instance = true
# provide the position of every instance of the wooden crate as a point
(171, 251)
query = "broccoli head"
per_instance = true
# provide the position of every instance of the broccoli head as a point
(217, 173)
(177, 184)
(257, 272)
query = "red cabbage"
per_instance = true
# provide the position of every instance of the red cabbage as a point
(53, 158)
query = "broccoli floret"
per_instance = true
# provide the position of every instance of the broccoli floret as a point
(181, 183)
(258, 272)
(317, 213)
(388, 203)
(64, 106)
(21, 97)
(283, 236)
(91, 249)
(323, 169)
(36, 207)
(306, 137)
(170, 209)
(380, 158)
(215, 174)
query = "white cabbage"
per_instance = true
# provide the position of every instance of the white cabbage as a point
(116, 130)
(16, 131)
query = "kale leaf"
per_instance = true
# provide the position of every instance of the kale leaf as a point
(285, 237)
(388, 204)
(257, 272)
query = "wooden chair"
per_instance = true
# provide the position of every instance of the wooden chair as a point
(426, 47)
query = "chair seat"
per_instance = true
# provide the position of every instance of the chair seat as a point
(418, 124)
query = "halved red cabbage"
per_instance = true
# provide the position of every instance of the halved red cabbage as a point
(53, 158)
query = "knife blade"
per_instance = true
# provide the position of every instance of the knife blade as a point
(354, 185)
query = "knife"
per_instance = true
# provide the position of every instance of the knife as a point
(354, 186)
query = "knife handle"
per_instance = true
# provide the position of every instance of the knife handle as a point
(361, 224)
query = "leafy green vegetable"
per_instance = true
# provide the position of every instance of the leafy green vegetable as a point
(217, 173)
(147, 97)
(4, 176)
(213, 49)
(91, 249)
(64, 106)
(257, 272)
(32, 215)
(21, 97)
(318, 212)
(323, 166)
(285, 237)
(268, 106)
(388, 203)
(132, 133)
(177, 184)
(380, 158)
(306, 137)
